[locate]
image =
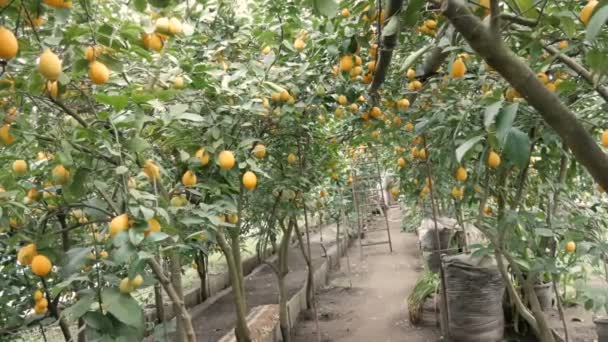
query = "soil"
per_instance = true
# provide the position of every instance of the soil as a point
(374, 308)
(212, 322)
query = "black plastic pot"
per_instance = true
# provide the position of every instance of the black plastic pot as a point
(601, 326)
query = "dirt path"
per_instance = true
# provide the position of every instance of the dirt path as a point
(374, 309)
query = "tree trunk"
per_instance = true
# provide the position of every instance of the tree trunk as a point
(203, 274)
(241, 330)
(282, 271)
(175, 269)
(177, 301)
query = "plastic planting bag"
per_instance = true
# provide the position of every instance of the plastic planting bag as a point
(475, 291)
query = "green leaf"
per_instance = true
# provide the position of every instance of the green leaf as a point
(595, 24)
(544, 232)
(490, 113)
(137, 145)
(121, 170)
(123, 307)
(75, 259)
(504, 121)
(466, 146)
(328, 8)
(158, 236)
(76, 310)
(412, 13)
(119, 102)
(190, 117)
(517, 147)
(141, 5)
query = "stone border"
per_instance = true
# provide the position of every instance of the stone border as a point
(219, 285)
(295, 305)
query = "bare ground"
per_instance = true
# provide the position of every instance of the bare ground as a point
(374, 308)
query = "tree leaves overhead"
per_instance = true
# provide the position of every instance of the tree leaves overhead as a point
(596, 23)
(517, 147)
(328, 8)
(466, 146)
(412, 12)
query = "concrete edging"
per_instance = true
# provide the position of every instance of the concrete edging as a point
(295, 305)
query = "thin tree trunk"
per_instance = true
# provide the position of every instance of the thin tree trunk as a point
(283, 270)
(241, 329)
(175, 270)
(203, 274)
(179, 304)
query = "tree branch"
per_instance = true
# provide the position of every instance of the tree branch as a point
(579, 69)
(68, 111)
(524, 80)
(495, 17)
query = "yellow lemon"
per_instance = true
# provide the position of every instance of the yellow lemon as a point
(226, 160)
(8, 44)
(49, 65)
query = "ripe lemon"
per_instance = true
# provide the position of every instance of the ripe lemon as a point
(403, 104)
(342, 100)
(461, 174)
(151, 170)
(8, 44)
(395, 191)
(33, 194)
(118, 224)
(232, 218)
(356, 71)
(543, 77)
(41, 265)
(411, 74)
(52, 88)
(345, 13)
(153, 226)
(563, 44)
(292, 159)
(49, 65)
(323, 193)
(175, 26)
(250, 180)
(266, 50)
(99, 73)
(409, 126)
(189, 178)
(457, 193)
(371, 66)
(202, 156)
(358, 60)
(125, 286)
(415, 85)
(91, 52)
(26, 254)
(299, 44)
(422, 153)
(226, 160)
(60, 175)
(604, 139)
(587, 11)
(259, 151)
(5, 134)
(137, 281)
(401, 162)
(458, 68)
(20, 167)
(153, 41)
(38, 295)
(493, 159)
(376, 112)
(397, 121)
(346, 63)
(178, 82)
(42, 303)
(570, 247)
(431, 24)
